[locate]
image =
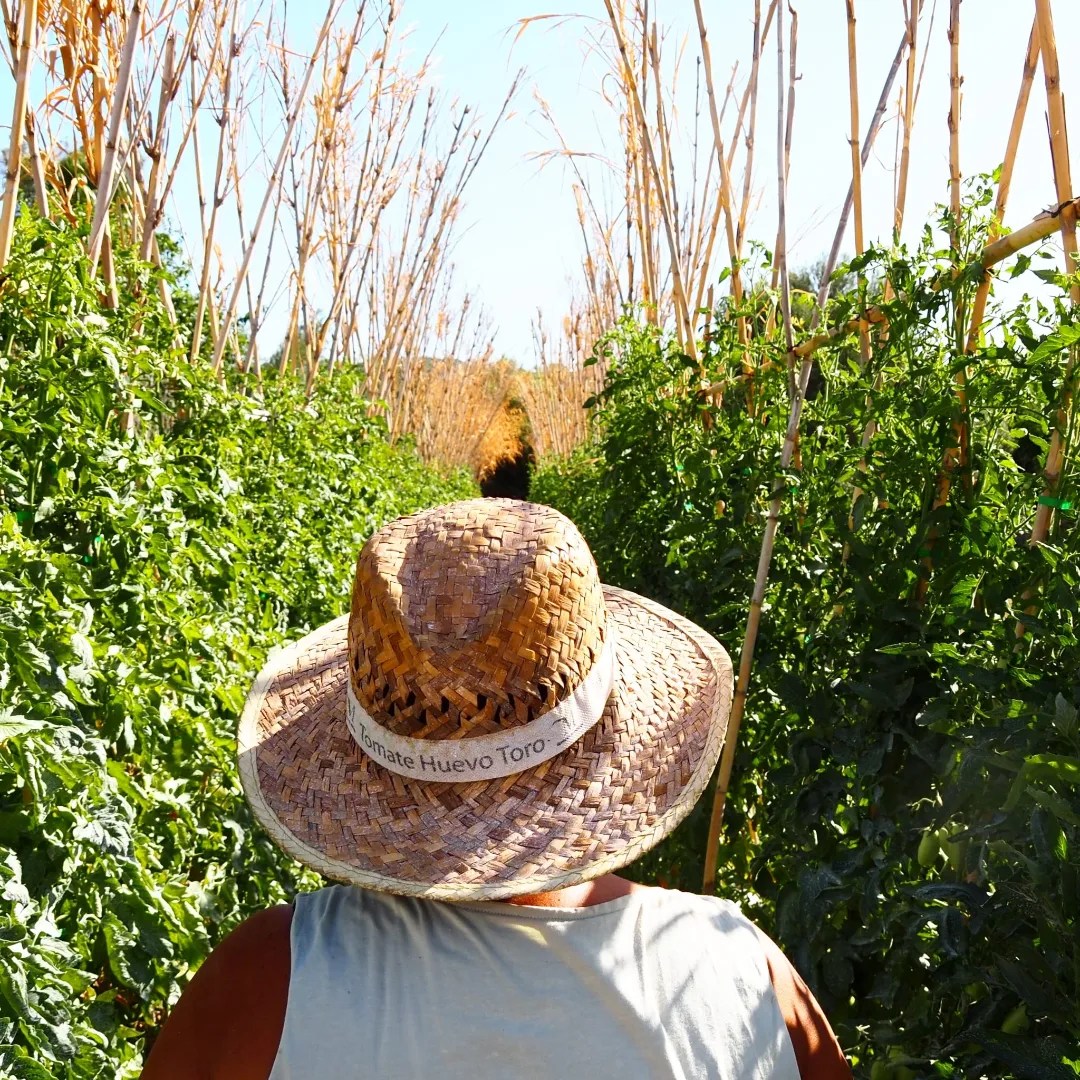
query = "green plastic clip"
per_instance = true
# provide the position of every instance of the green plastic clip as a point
(1064, 505)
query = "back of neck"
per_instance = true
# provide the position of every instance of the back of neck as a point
(587, 894)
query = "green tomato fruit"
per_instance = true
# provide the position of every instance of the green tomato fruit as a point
(929, 848)
(955, 851)
(1016, 1021)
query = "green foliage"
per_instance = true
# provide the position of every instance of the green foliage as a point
(905, 815)
(158, 534)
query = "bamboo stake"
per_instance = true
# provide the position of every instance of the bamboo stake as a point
(908, 115)
(37, 170)
(943, 483)
(853, 142)
(752, 87)
(302, 214)
(954, 121)
(841, 229)
(104, 194)
(856, 164)
(693, 218)
(721, 203)
(137, 117)
(111, 297)
(784, 104)
(316, 338)
(748, 89)
(665, 211)
(725, 192)
(707, 224)
(133, 204)
(27, 43)
(650, 286)
(647, 238)
(1031, 62)
(867, 146)
(163, 286)
(956, 456)
(789, 131)
(251, 354)
(70, 29)
(663, 137)
(870, 428)
(746, 655)
(1059, 145)
(1039, 228)
(95, 149)
(315, 189)
(155, 149)
(209, 228)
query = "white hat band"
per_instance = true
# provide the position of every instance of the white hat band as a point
(485, 757)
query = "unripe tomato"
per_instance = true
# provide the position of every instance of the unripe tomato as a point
(1016, 1021)
(955, 850)
(929, 848)
(896, 1070)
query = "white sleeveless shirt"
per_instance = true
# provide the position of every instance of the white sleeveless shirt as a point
(657, 983)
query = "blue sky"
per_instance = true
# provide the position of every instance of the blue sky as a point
(522, 245)
(519, 249)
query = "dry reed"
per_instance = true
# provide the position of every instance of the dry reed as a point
(23, 50)
(345, 148)
(1059, 148)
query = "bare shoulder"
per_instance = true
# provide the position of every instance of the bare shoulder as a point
(816, 1047)
(228, 1021)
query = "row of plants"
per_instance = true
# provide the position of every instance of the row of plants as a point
(159, 533)
(905, 809)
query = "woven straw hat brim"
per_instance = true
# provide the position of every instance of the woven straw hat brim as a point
(592, 809)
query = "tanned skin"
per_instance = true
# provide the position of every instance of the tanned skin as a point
(228, 1022)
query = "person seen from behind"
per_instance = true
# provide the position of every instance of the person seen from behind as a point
(472, 752)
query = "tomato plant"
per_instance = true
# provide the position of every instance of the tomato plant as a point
(159, 533)
(905, 815)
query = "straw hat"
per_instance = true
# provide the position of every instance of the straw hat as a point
(489, 720)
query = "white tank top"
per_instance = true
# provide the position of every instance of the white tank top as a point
(655, 984)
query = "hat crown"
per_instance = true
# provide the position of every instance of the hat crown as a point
(473, 618)
(457, 575)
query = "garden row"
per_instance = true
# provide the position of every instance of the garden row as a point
(159, 533)
(905, 811)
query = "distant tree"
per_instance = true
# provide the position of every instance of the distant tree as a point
(808, 279)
